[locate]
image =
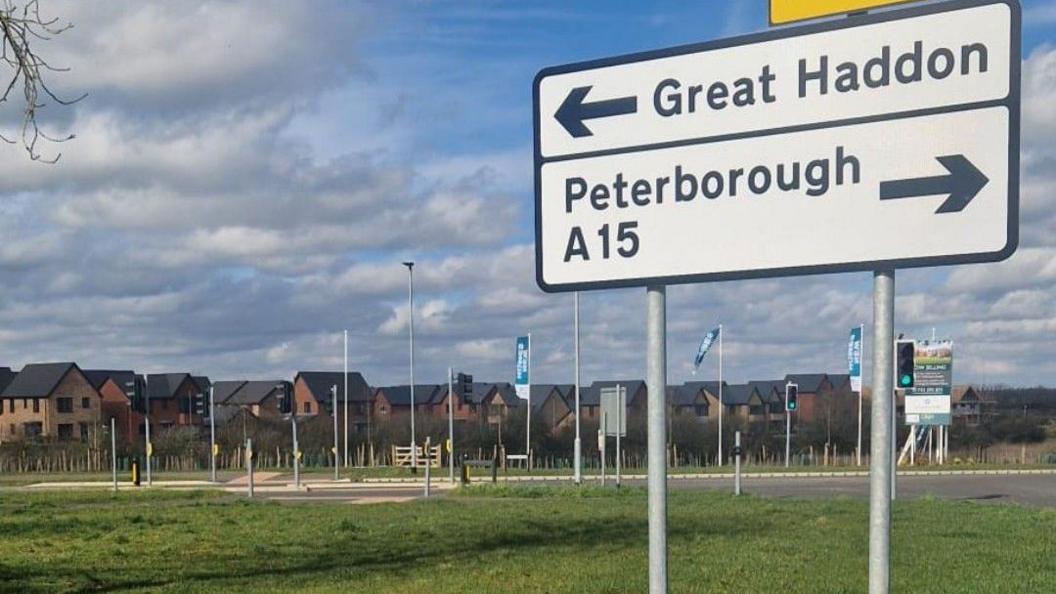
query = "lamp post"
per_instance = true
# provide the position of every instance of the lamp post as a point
(410, 305)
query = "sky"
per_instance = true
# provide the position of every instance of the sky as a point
(247, 178)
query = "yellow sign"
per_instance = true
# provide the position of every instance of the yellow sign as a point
(790, 11)
(447, 442)
(150, 449)
(298, 454)
(216, 449)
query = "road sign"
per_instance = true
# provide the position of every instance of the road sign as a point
(789, 11)
(614, 410)
(878, 141)
(928, 401)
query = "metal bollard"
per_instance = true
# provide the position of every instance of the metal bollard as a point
(737, 463)
(428, 467)
(249, 465)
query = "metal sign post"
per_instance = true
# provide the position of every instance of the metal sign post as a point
(577, 451)
(450, 426)
(212, 438)
(113, 450)
(656, 384)
(601, 447)
(622, 399)
(296, 453)
(428, 465)
(333, 413)
(881, 473)
(737, 463)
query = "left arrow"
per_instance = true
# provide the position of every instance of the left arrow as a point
(573, 110)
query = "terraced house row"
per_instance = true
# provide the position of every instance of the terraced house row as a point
(62, 401)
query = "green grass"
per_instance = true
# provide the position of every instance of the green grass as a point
(508, 539)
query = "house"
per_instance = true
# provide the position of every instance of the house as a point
(552, 405)
(392, 401)
(463, 406)
(50, 400)
(312, 389)
(260, 398)
(171, 398)
(813, 387)
(773, 394)
(701, 399)
(114, 387)
(743, 401)
(971, 407)
(497, 402)
(590, 400)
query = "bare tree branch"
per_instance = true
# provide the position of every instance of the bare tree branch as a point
(19, 24)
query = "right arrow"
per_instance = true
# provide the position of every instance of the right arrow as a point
(961, 185)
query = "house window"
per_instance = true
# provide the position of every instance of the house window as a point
(66, 431)
(86, 403)
(307, 408)
(64, 405)
(36, 405)
(756, 410)
(14, 430)
(33, 429)
(701, 410)
(84, 431)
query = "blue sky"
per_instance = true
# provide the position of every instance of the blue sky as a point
(233, 201)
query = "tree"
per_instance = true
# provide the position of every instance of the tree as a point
(22, 24)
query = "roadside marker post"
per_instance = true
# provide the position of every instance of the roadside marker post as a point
(908, 119)
(113, 450)
(737, 463)
(212, 438)
(249, 467)
(428, 465)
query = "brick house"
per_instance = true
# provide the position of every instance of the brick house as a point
(311, 395)
(171, 396)
(260, 398)
(971, 407)
(701, 399)
(552, 405)
(464, 406)
(53, 400)
(497, 401)
(744, 402)
(113, 387)
(814, 390)
(394, 401)
(773, 394)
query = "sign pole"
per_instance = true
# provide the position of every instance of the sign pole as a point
(333, 413)
(113, 450)
(862, 350)
(881, 475)
(249, 466)
(212, 438)
(602, 438)
(577, 451)
(450, 426)
(656, 383)
(296, 453)
(345, 336)
(621, 402)
(528, 430)
(428, 464)
(721, 404)
(788, 430)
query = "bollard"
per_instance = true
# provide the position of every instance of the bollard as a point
(428, 466)
(465, 470)
(249, 466)
(737, 463)
(135, 472)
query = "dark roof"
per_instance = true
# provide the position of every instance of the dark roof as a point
(738, 394)
(807, 382)
(839, 380)
(38, 380)
(6, 376)
(770, 389)
(401, 395)
(592, 396)
(253, 392)
(223, 390)
(202, 382)
(320, 382)
(98, 377)
(161, 386)
(686, 394)
(508, 393)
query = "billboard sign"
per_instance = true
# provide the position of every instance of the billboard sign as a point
(928, 401)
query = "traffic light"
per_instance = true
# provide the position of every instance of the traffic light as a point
(134, 391)
(285, 401)
(200, 406)
(791, 397)
(905, 350)
(465, 385)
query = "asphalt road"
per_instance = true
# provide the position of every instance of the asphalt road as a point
(1037, 490)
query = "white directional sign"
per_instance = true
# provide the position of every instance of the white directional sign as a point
(878, 140)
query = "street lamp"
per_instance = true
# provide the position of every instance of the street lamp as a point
(410, 303)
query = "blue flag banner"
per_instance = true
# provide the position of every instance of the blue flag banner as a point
(854, 359)
(523, 365)
(709, 339)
